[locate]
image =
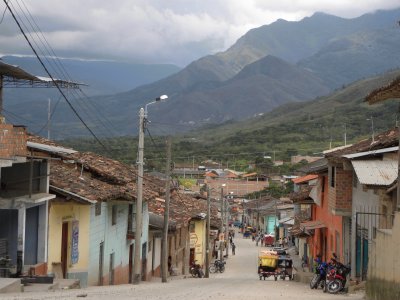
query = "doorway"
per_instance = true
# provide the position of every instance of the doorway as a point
(144, 261)
(131, 262)
(101, 262)
(111, 271)
(64, 249)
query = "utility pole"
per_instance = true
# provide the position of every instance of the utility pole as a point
(207, 275)
(139, 205)
(222, 225)
(48, 119)
(139, 197)
(164, 267)
(226, 227)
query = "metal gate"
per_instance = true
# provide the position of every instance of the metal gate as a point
(366, 225)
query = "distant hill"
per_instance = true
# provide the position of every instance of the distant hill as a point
(304, 128)
(101, 77)
(319, 54)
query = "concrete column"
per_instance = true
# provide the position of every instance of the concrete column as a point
(21, 231)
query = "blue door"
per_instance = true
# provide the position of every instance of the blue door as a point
(31, 235)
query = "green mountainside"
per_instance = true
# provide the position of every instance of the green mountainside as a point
(267, 67)
(305, 128)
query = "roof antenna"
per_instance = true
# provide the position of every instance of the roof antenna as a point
(81, 177)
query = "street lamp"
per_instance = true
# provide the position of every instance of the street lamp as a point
(139, 198)
(221, 256)
(207, 275)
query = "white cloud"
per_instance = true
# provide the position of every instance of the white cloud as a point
(176, 31)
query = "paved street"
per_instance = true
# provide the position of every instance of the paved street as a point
(240, 281)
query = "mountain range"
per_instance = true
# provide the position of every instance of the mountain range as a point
(284, 62)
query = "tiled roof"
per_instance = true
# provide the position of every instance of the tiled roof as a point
(304, 179)
(183, 208)
(383, 140)
(301, 195)
(104, 179)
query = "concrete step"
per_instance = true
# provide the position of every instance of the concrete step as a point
(10, 285)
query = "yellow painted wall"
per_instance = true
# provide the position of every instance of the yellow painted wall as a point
(68, 212)
(383, 280)
(200, 230)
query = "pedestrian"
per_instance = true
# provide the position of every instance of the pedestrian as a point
(262, 240)
(233, 248)
(280, 242)
(285, 241)
(257, 240)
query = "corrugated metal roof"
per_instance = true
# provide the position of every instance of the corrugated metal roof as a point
(51, 149)
(11, 74)
(373, 152)
(375, 172)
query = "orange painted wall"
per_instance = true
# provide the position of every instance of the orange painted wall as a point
(334, 225)
(121, 276)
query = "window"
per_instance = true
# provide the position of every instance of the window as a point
(97, 208)
(150, 245)
(332, 173)
(113, 215)
(130, 217)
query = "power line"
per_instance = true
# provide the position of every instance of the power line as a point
(49, 74)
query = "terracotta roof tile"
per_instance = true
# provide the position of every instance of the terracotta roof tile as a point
(385, 139)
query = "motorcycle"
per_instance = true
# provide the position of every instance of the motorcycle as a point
(336, 277)
(218, 266)
(196, 270)
(319, 277)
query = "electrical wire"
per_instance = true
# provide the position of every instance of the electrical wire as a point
(59, 68)
(50, 75)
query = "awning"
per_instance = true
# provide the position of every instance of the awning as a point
(50, 149)
(296, 231)
(35, 198)
(15, 76)
(375, 172)
(310, 225)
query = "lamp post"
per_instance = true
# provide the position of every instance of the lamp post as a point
(139, 197)
(207, 275)
(221, 256)
(226, 227)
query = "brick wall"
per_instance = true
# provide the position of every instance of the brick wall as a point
(12, 140)
(340, 197)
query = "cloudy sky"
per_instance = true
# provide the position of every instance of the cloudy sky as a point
(157, 31)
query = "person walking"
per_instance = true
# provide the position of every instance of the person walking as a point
(233, 248)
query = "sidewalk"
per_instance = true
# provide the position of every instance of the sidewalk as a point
(300, 275)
